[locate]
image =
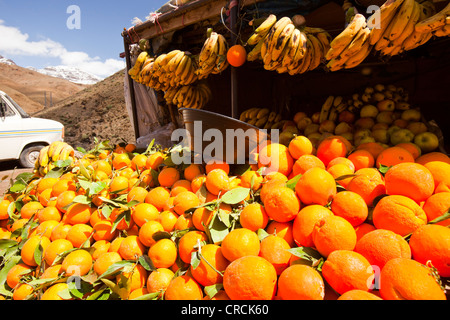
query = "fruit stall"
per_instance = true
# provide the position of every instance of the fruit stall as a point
(352, 202)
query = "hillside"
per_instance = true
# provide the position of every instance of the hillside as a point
(97, 111)
(27, 87)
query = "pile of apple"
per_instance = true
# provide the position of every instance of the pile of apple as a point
(379, 114)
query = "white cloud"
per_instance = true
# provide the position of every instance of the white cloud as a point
(14, 42)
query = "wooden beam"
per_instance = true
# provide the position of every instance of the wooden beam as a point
(131, 88)
(185, 15)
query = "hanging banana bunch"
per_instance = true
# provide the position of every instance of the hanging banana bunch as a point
(194, 96)
(213, 56)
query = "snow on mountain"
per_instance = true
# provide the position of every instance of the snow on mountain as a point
(7, 61)
(69, 73)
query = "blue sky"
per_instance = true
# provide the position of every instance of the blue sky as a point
(36, 33)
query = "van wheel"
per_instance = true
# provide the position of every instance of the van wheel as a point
(29, 156)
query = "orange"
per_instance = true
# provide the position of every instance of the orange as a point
(332, 147)
(333, 233)
(118, 185)
(251, 179)
(97, 216)
(211, 258)
(43, 197)
(105, 260)
(239, 243)
(346, 270)
(432, 243)
(48, 213)
(168, 176)
(275, 250)
(350, 206)
(60, 231)
(136, 293)
(201, 218)
(138, 162)
(300, 146)
(361, 159)
(45, 228)
(441, 175)
(103, 165)
(406, 279)
(253, 217)
(52, 292)
(184, 201)
(115, 244)
(220, 295)
(135, 276)
(121, 161)
(137, 194)
(144, 212)
(78, 234)
(16, 272)
(433, 156)
(341, 160)
(216, 164)
(78, 213)
(103, 231)
(64, 199)
(305, 221)
(338, 171)
(358, 295)
(100, 247)
(374, 148)
(78, 262)
(380, 246)
(412, 148)
(154, 160)
(269, 185)
(158, 197)
(184, 222)
(147, 231)
(282, 229)
(146, 179)
(63, 185)
(411, 180)
(22, 291)
(197, 183)
(392, 156)
(281, 204)
(45, 183)
(436, 205)
(55, 248)
(236, 55)
(29, 248)
(159, 280)
(168, 219)
(363, 229)
(180, 186)
(217, 182)
(368, 183)
(316, 186)
(183, 288)
(131, 248)
(30, 209)
(192, 171)
(300, 282)
(275, 157)
(398, 214)
(51, 272)
(241, 282)
(188, 244)
(119, 217)
(306, 162)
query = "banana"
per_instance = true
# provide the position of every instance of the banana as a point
(386, 14)
(243, 116)
(308, 58)
(272, 116)
(333, 114)
(187, 70)
(181, 66)
(357, 43)
(277, 125)
(300, 52)
(278, 118)
(57, 151)
(408, 30)
(138, 64)
(282, 40)
(66, 152)
(173, 64)
(442, 32)
(291, 48)
(278, 28)
(43, 156)
(261, 122)
(266, 25)
(344, 38)
(263, 113)
(255, 53)
(417, 38)
(402, 18)
(325, 110)
(254, 113)
(434, 22)
(337, 101)
(252, 121)
(221, 62)
(317, 52)
(158, 63)
(52, 148)
(336, 63)
(359, 57)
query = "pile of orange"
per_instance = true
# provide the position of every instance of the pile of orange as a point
(306, 223)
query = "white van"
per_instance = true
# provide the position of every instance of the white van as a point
(22, 136)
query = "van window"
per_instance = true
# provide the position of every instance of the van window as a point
(5, 110)
(18, 108)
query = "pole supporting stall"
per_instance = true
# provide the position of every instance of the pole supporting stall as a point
(131, 86)
(234, 13)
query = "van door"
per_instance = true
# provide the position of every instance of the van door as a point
(10, 131)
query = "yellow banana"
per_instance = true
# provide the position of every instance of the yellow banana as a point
(66, 152)
(255, 53)
(277, 118)
(52, 147)
(361, 38)
(434, 22)
(409, 29)
(359, 57)
(138, 64)
(261, 122)
(267, 24)
(333, 114)
(254, 113)
(344, 38)
(282, 40)
(173, 64)
(211, 43)
(187, 69)
(442, 32)
(308, 57)
(401, 19)
(272, 116)
(386, 14)
(278, 28)
(57, 151)
(263, 113)
(324, 111)
(292, 47)
(221, 62)
(299, 53)
(43, 156)
(317, 52)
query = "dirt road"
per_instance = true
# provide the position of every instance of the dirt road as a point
(8, 171)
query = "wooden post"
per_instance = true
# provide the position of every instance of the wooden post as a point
(234, 12)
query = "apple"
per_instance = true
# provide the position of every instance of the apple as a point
(401, 123)
(417, 127)
(346, 116)
(380, 135)
(326, 135)
(392, 129)
(348, 136)
(361, 133)
(362, 140)
(288, 123)
(311, 128)
(292, 129)
(299, 116)
(327, 126)
(342, 128)
(364, 123)
(427, 141)
(369, 111)
(388, 94)
(386, 117)
(401, 136)
(315, 117)
(386, 105)
(411, 115)
(380, 125)
(315, 135)
(286, 137)
(303, 123)
(402, 105)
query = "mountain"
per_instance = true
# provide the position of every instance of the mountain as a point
(72, 74)
(7, 61)
(97, 111)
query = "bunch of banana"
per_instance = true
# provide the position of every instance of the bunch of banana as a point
(262, 118)
(437, 24)
(349, 48)
(331, 108)
(213, 56)
(194, 96)
(258, 37)
(58, 150)
(134, 71)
